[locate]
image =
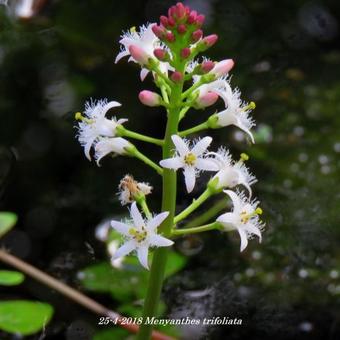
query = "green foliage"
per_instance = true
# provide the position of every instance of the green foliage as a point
(11, 278)
(127, 285)
(24, 317)
(7, 222)
(112, 333)
(128, 282)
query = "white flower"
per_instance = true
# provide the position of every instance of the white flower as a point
(94, 124)
(236, 112)
(203, 92)
(129, 188)
(244, 218)
(231, 173)
(140, 235)
(217, 86)
(112, 247)
(191, 159)
(102, 231)
(107, 145)
(146, 40)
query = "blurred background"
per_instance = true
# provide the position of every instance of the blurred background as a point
(56, 54)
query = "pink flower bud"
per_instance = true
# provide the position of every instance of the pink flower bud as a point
(222, 68)
(192, 17)
(207, 66)
(197, 35)
(181, 28)
(176, 77)
(200, 20)
(210, 40)
(206, 100)
(170, 37)
(161, 54)
(164, 20)
(159, 31)
(180, 11)
(185, 52)
(149, 98)
(171, 22)
(171, 11)
(138, 54)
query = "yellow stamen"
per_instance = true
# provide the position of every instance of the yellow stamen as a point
(250, 106)
(79, 116)
(243, 157)
(139, 236)
(190, 159)
(133, 29)
(245, 217)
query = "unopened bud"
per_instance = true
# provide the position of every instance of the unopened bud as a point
(180, 11)
(164, 20)
(181, 29)
(159, 31)
(177, 77)
(170, 37)
(192, 17)
(138, 54)
(207, 66)
(197, 35)
(222, 68)
(210, 40)
(171, 22)
(200, 20)
(149, 98)
(171, 11)
(161, 54)
(206, 100)
(185, 52)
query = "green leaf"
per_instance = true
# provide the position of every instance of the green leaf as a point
(24, 317)
(112, 333)
(7, 222)
(123, 284)
(174, 264)
(11, 278)
(126, 283)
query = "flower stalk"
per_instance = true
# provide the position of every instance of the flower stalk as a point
(167, 52)
(169, 188)
(200, 229)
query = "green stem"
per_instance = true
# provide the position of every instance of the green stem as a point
(145, 208)
(194, 129)
(193, 206)
(134, 152)
(168, 204)
(190, 90)
(183, 112)
(208, 214)
(127, 133)
(162, 76)
(200, 229)
(164, 94)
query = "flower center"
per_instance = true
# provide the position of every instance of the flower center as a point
(137, 235)
(245, 216)
(190, 159)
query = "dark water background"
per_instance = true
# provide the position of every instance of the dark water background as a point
(287, 60)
